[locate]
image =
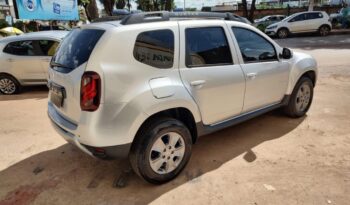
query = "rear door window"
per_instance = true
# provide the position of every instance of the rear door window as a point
(25, 48)
(155, 48)
(310, 16)
(207, 47)
(75, 49)
(48, 47)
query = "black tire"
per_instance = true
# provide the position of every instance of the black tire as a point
(282, 33)
(291, 109)
(140, 153)
(324, 30)
(16, 89)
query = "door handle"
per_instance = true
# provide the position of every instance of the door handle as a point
(197, 82)
(251, 75)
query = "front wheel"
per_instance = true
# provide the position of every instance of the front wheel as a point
(301, 98)
(282, 33)
(324, 31)
(8, 85)
(161, 150)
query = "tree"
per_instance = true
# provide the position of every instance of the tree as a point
(169, 5)
(155, 5)
(249, 15)
(311, 5)
(128, 5)
(90, 7)
(121, 4)
(108, 5)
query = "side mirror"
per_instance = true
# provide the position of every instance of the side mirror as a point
(286, 53)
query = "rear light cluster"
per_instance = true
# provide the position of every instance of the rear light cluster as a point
(90, 91)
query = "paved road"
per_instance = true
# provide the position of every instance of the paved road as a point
(268, 160)
(312, 42)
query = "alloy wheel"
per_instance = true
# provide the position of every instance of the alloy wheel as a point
(303, 97)
(167, 153)
(282, 33)
(7, 86)
(324, 31)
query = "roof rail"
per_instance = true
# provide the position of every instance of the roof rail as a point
(108, 18)
(147, 17)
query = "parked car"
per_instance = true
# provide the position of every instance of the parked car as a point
(57, 28)
(313, 21)
(167, 81)
(25, 59)
(342, 17)
(262, 23)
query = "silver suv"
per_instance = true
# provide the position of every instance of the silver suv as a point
(148, 86)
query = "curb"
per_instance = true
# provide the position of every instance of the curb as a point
(340, 32)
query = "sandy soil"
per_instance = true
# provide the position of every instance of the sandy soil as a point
(268, 160)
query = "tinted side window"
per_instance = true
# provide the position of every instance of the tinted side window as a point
(300, 17)
(24, 48)
(48, 47)
(207, 47)
(155, 48)
(313, 15)
(254, 48)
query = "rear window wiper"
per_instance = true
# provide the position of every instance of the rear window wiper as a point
(55, 64)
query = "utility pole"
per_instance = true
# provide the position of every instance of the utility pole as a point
(184, 5)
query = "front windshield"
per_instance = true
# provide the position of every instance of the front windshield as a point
(265, 18)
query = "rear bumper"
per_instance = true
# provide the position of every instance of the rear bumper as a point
(66, 129)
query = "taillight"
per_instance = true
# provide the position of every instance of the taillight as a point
(90, 91)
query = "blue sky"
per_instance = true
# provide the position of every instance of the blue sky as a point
(196, 3)
(199, 3)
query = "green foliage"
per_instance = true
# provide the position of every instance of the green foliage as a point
(19, 25)
(31, 26)
(83, 2)
(3, 23)
(155, 5)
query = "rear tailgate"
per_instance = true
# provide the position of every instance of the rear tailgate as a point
(67, 67)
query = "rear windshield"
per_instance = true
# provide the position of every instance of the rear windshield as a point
(75, 49)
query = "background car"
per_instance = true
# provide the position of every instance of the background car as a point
(262, 23)
(57, 28)
(342, 17)
(25, 59)
(314, 21)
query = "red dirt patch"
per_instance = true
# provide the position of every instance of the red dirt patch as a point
(26, 194)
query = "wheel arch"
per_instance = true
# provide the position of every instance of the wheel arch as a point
(283, 27)
(12, 76)
(309, 73)
(330, 27)
(182, 114)
(8, 74)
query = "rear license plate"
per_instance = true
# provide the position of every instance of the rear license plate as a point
(57, 95)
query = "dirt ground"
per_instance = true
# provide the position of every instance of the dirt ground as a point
(268, 160)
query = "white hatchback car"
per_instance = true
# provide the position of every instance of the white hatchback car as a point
(303, 22)
(25, 59)
(148, 86)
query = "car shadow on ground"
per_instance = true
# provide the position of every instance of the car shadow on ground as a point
(30, 92)
(67, 176)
